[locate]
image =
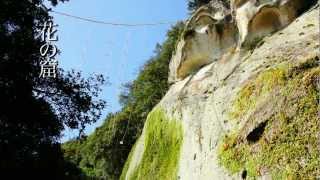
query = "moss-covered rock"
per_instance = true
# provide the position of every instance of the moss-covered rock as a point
(283, 143)
(127, 164)
(163, 140)
(258, 89)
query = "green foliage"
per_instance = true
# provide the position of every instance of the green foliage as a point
(152, 82)
(288, 148)
(163, 142)
(72, 150)
(101, 154)
(195, 4)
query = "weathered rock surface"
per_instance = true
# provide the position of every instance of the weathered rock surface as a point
(213, 63)
(209, 34)
(217, 30)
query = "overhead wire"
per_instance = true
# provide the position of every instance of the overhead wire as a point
(100, 21)
(109, 23)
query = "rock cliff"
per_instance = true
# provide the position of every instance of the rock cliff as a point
(243, 100)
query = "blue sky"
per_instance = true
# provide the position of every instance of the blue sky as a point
(117, 52)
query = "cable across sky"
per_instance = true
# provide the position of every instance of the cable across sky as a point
(110, 23)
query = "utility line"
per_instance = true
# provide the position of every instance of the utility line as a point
(99, 21)
(109, 23)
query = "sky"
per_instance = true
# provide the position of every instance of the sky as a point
(114, 51)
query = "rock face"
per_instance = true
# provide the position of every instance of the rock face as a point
(255, 18)
(217, 30)
(209, 34)
(244, 80)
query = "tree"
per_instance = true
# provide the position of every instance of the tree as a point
(102, 155)
(195, 4)
(35, 110)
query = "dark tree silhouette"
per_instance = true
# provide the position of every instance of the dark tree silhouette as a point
(34, 110)
(195, 4)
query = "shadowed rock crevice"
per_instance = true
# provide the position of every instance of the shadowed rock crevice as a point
(244, 174)
(256, 133)
(305, 6)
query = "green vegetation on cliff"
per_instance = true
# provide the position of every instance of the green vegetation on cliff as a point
(163, 140)
(127, 164)
(284, 143)
(101, 155)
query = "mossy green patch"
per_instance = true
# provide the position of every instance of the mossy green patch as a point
(163, 142)
(255, 90)
(289, 146)
(127, 164)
